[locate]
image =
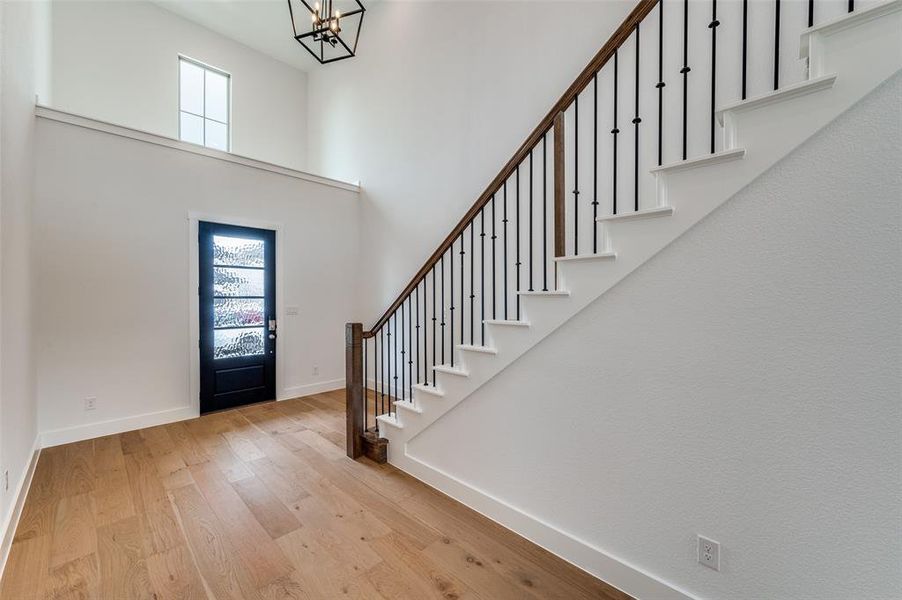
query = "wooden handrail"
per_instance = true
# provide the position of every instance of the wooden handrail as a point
(579, 84)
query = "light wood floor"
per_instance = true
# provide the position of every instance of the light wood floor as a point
(261, 502)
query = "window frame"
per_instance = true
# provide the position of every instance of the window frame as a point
(206, 67)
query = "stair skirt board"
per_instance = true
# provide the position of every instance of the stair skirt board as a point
(757, 135)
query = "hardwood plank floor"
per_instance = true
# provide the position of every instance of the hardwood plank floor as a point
(260, 502)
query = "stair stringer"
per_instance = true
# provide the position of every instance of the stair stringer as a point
(758, 133)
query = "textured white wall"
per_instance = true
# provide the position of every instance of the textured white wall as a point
(111, 237)
(437, 100)
(744, 384)
(18, 411)
(118, 62)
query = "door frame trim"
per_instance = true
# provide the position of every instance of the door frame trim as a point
(194, 217)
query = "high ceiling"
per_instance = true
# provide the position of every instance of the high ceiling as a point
(260, 24)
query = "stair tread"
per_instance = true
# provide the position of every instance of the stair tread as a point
(506, 322)
(544, 293)
(784, 93)
(450, 370)
(648, 213)
(700, 161)
(408, 405)
(390, 419)
(847, 20)
(428, 389)
(482, 349)
(596, 256)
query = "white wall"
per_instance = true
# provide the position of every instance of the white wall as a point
(425, 119)
(112, 262)
(744, 384)
(118, 62)
(19, 55)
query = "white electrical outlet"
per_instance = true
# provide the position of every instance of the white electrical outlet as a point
(709, 553)
(90, 403)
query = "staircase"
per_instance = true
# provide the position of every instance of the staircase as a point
(573, 213)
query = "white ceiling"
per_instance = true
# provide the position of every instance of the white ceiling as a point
(263, 25)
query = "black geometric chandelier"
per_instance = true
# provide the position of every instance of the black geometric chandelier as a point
(326, 28)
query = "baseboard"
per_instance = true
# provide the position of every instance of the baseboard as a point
(595, 561)
(55, 437)
(12, 519)
(311, 388)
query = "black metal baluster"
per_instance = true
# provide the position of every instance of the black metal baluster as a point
(776, 44)
(463, 310)
(615, 131)
(713, 25)
(403, 355)
(636, 121)
(442, 263)
(594, 163)
(660, 85)
(575, 176)
(394, 359)
(745, 43)
(685, 71)
(494, 277)
(451, 260)
(530, 221)
(545, 212)
(504, 237)
(433, 326)
(472, 289)
(517, 241)
(382, 372)
(366, 393)
(810, 13)
(851, 5)
(417, 329)
(410, 347)
(482, 272)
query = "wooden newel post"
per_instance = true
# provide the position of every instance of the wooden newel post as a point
(559, 185)
(354, 401)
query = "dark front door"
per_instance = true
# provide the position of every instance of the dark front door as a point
(237, 315)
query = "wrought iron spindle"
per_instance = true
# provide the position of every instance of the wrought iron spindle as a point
(851, 5)
(494, 277)
(382, 376)
(472, 289)
(530, 221)
(442, 262)
(575, 176)
(615, 132)
(394, 360)
(482, 272)
(366, 392)
(776, 44)
(636, 120)
(594, 163)
(403, 356)
(463, 311)
(433, 324)
(451, 260)
(417, 330)
(517, 241)
(745, 44)
(713, 26)
(410, 348)
(685, 71)
(504, 238)
(545, 212)
(810, 13)
(660, 85)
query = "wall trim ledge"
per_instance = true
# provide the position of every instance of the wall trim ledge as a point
(53, 114)
(55, 437)
(299, 391)
(12, 520)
